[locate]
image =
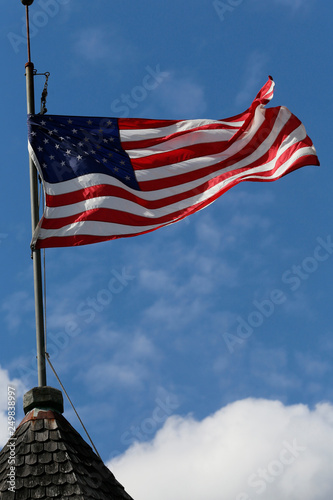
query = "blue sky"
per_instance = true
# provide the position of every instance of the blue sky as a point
(214, 352)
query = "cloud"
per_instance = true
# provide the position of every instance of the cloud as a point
(125, 364)
(311, 364)
(16, 307)
(294, 5)
(254, 77)
(92, 44)
(246, 449)
(6, 382)
(97, 44)
(179, 97)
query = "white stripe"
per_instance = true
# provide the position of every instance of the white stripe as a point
(93, 228)
(190, 139)
(82, 182)
(271, 89)
(176, 128)
(202, 161)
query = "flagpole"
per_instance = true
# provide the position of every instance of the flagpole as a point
(36, 256)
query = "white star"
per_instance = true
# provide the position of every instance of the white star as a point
(111, 139)
(92, 152)
(127, 178)
(109, 122)
(33, 134)
(46, 141)
(105, 140)
(50, 132)
(74, 131)
(63, 163)
(116, 169)
(51, 157)
(44, 165)
(81, 144)
(57, 146)
(69, 121)
(89, 122)
(122, 162)
(104, 160)
(40, 149)
(43, 122)
(61, 138)
(68, 152)
(55, 131)
(79, 157)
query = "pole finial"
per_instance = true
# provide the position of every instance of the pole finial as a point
(27, 2)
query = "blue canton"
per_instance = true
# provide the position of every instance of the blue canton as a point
(76, 146)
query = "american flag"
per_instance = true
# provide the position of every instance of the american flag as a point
(107, 178)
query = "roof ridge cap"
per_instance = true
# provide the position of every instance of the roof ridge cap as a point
(39, 414)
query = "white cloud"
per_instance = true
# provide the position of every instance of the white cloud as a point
(173, 314)
(96, 44)
(294, 5)
(92, 44)
(156, 280)
(127, 365)
(242, 199)
(118, 374)
(179, 97)
(254, 77)
(15, 307)
(5, 382)
(247, 449)
(312, 364)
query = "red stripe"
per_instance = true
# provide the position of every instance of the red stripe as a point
(178, 155)
(113, 216)
(205, 149)
(142, 123)
(148, 123)
(253, 145)
(84, 239)
(106, 190)
(148, 143)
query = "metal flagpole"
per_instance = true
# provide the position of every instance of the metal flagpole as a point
(36, 256)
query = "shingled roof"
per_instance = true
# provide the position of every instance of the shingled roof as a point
(53, 461)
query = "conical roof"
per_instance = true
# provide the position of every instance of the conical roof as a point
(52, 460)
